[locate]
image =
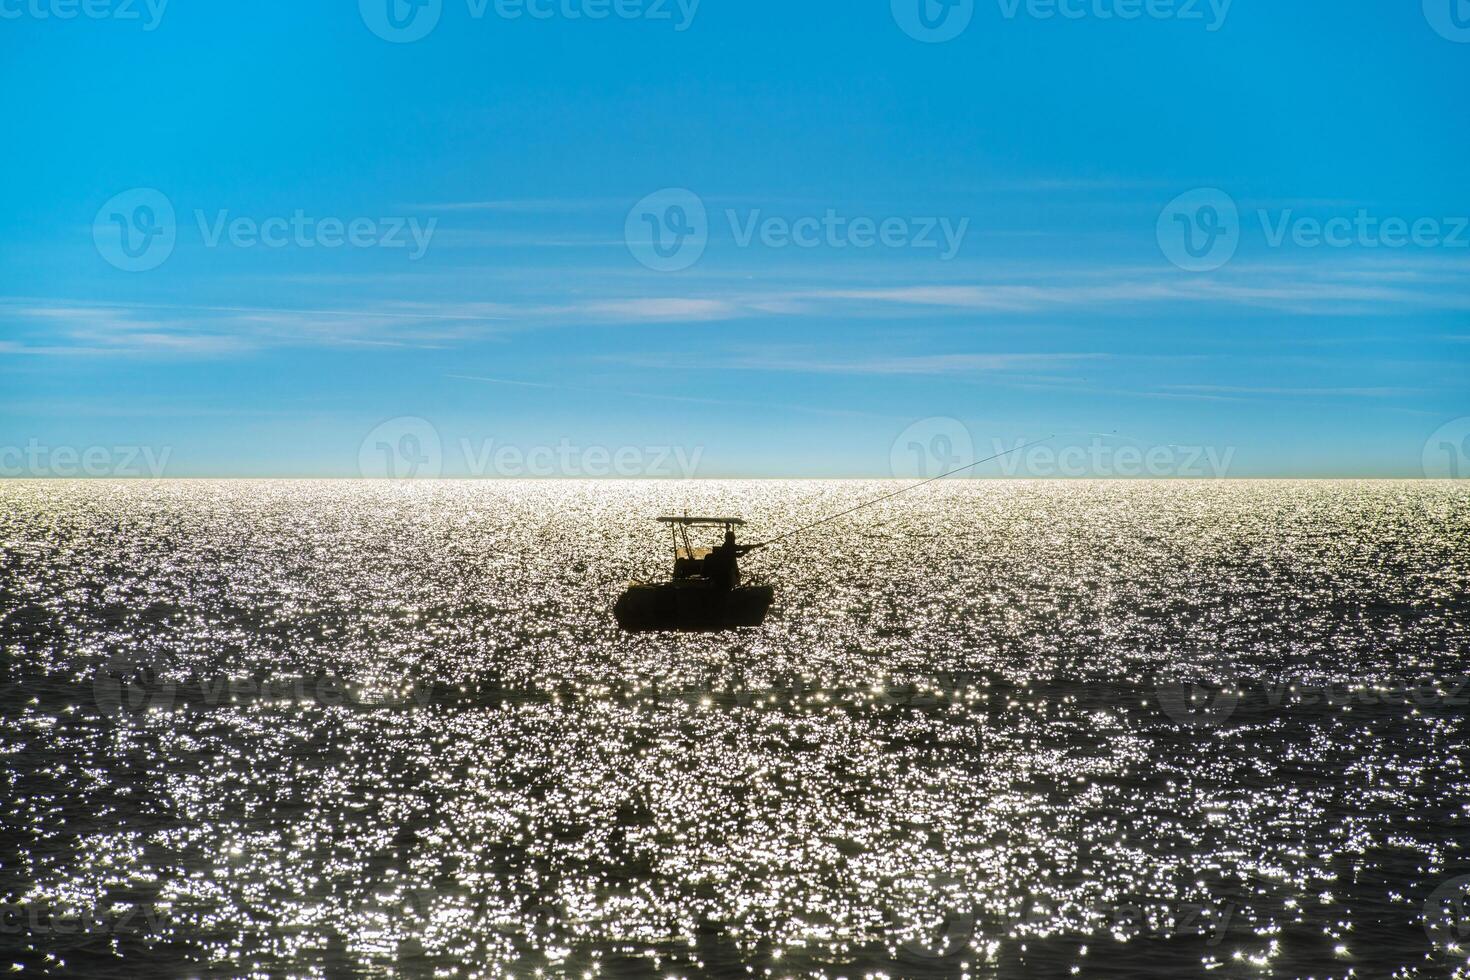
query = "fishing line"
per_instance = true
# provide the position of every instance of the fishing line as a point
(890, 496)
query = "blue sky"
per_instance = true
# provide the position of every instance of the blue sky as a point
(991, 235)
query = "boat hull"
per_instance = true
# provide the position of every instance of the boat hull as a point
(692, 607)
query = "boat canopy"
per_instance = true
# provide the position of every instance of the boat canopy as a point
(702, 521)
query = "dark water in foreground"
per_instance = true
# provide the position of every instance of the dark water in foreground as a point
(343, 729)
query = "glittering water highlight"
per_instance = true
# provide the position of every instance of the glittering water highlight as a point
(989, 729)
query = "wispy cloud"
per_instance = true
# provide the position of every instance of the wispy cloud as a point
(1354, 287)
(137, 329)
(529, 205)
(656, 396)
(1363, 392)
(930, 364)
(473, 238)
(1067, 184)
(663, 309)
(1343, 296)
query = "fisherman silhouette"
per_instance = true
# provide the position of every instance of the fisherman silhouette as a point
(721, 565)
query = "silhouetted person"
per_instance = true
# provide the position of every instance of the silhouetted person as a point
(722, 565)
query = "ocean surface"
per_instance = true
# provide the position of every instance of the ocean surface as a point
(995, 729)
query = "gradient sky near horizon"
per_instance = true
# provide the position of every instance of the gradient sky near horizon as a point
(1067, 156)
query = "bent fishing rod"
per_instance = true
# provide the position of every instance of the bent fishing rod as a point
(890, 496)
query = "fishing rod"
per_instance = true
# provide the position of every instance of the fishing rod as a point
(890, 496)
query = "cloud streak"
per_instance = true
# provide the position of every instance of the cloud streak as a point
(1357, 288)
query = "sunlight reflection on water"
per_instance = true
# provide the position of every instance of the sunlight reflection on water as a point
(303, 727)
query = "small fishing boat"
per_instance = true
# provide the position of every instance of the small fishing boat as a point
(705, 593)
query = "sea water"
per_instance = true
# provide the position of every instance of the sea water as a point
(992, 729)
